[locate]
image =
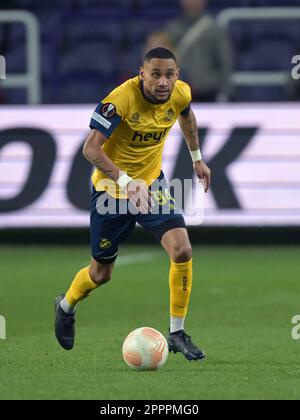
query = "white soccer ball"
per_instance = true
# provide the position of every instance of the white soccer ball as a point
(145, 349)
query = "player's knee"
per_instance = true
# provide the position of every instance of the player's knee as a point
(182, 253)
(101, 276)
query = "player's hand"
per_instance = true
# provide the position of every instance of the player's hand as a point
(139, 196)
(203, 173)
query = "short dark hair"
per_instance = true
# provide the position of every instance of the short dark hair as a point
(160, 52)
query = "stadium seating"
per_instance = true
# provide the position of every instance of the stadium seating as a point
(73, 90)
(267, 55)
(84, 42)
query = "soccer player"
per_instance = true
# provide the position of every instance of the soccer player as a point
(128, 131)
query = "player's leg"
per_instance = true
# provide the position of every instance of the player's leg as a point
(173, 236)
(177, 244)
(107, 232)
(85, 282)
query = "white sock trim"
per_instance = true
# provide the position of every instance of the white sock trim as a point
(176, 324)
(66, 307)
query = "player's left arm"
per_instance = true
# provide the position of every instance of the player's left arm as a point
(188, 125)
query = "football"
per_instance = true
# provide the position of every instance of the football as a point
(145, 349)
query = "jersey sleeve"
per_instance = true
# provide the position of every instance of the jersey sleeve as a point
(186, 111)
(185, 98)
(110, 112)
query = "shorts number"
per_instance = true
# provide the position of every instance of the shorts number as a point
(164, 198)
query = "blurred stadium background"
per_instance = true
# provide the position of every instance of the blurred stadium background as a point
(64, 56)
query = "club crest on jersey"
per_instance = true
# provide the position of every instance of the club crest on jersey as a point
(105, 244)
(135, 117)
(169, 115)
(108, 110)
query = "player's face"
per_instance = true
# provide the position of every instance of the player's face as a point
(159, 77)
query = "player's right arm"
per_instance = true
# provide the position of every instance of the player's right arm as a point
(92, 150)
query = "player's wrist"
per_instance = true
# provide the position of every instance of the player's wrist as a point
(196, 155)
(123, 181)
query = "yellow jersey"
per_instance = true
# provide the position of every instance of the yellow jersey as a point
(136, 130)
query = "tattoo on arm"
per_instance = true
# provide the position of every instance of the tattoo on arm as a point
(99, 164)
(189, 128)
(92, 151)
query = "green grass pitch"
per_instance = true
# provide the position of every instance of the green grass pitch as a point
(241, 309)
